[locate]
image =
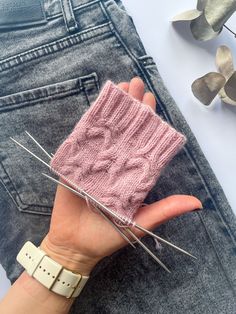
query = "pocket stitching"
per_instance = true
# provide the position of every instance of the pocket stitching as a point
(55, 46)
(8, 183)
(81, 81)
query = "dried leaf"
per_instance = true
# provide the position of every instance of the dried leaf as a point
(208, 19)
(187, 16)
(207, 87)
(230, 87)
(201, 4)
(225, 98)
(224, 61)
(201, 30)
(217, 12)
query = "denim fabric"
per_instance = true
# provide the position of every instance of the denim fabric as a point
(49, 74)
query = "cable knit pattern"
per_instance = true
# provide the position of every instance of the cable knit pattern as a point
(117, 150)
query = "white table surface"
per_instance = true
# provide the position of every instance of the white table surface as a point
(180, 60)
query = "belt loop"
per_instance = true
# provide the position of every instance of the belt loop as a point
(68, 15)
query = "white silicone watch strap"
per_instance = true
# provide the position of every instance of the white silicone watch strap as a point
(50, 273)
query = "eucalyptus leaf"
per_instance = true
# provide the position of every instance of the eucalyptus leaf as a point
(225, 98)
(217, 12)
(208, 19)
(201, 4)
(224, 61)
(201, 30)
(187, 16)
(207, 87)
(230, 87)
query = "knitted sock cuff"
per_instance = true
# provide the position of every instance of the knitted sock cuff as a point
(117, 150)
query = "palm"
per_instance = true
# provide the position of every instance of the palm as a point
(76, 226)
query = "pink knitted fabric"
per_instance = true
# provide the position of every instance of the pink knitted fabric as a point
(117, 150)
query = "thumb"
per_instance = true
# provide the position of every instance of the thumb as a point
(153, 215)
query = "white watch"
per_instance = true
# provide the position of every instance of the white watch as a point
(50, 273)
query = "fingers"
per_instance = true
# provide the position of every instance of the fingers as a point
(136, 89)
(149, 99)
(124, 86)
(159, 212)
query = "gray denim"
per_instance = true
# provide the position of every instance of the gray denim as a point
(53, 61)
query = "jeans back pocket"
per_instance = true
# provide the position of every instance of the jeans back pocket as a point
(49, 114)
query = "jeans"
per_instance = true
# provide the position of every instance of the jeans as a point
(53, 61)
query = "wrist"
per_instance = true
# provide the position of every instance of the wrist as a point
(69, 258)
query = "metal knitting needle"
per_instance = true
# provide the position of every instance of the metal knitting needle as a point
(100, 211)
(127, 228)
(76, 192)
(163, 240)
(37, 143)
(35, 156)
(137, 226)
(147, 250)
(134, 223)
(115, 226)
(109, 221)
(110, 211)
(22, 146)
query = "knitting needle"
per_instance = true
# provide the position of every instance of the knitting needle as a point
(99, 210)
(107, 218)
(127, 229)
(114, 225)
(104, 216)
(163, 240)
(22, 146)
(40, 146)
(76, 192)
(37, 143)
(147, 250)
(110, 211)
(134, 223)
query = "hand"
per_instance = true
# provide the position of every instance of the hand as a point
(79, 237)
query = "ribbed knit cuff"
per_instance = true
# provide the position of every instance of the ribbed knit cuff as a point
(117, 150)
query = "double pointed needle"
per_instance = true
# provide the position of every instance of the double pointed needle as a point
(84, 195)
(127, 228)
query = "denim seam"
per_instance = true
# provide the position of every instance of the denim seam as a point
(64, 16)
(83, 81)
(14, 201)
(43, 209)
(53, 16)
(68, 19)
(86, 93)
(31, 102)
(41, 9)
(219, 260)
(128, 51)
(32, 54)
(211, 196)
(9, 182)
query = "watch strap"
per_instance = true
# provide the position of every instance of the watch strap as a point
(50, 273)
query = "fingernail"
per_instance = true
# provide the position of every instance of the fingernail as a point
(198, 209)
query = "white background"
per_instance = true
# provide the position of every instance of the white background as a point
(180, 60)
